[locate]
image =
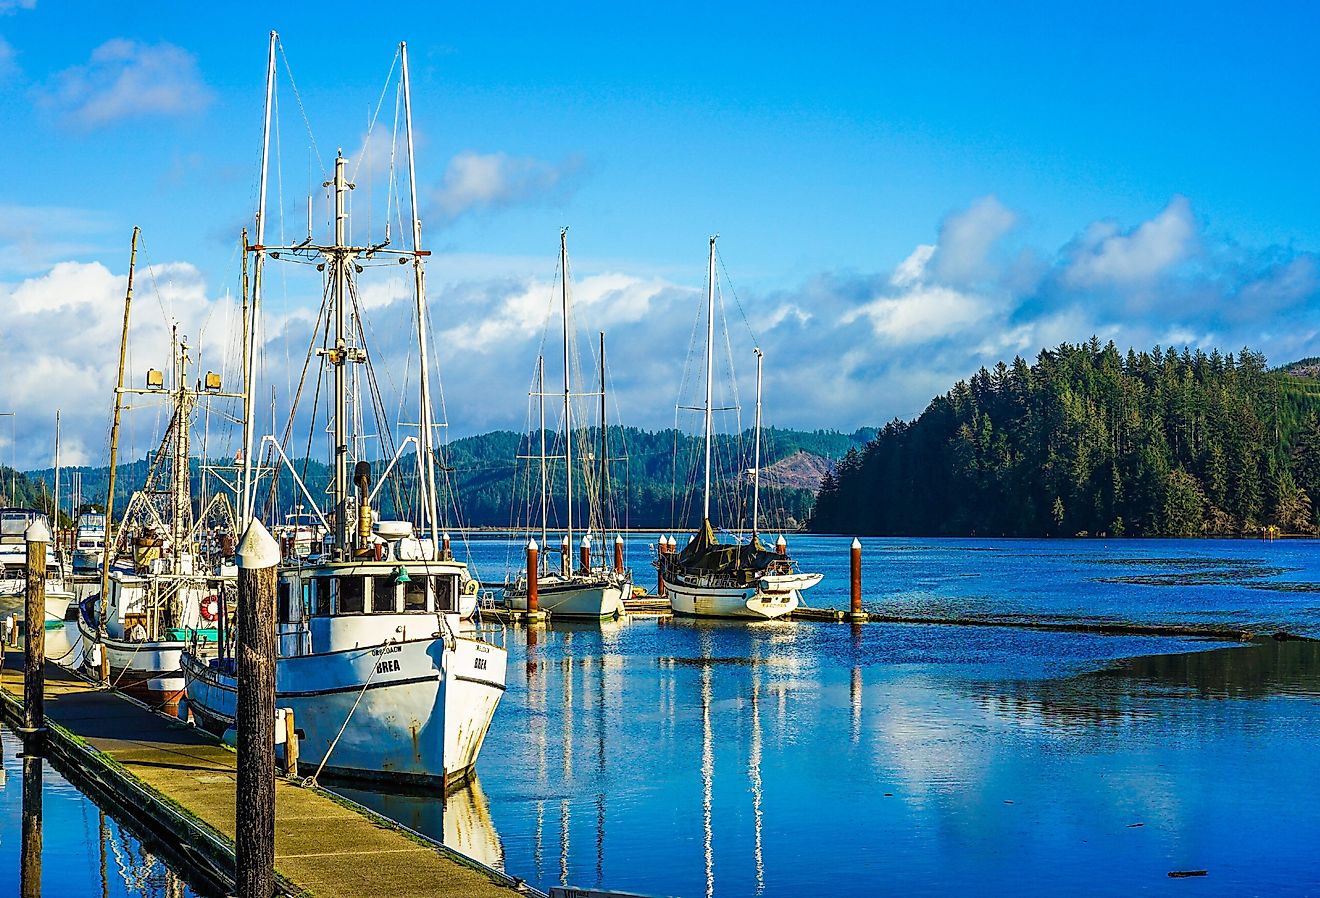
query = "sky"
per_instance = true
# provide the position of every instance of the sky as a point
(903, 193)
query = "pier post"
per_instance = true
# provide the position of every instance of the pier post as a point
(290, 744)
(662, 548)
(618, 554)
(565, 553)
(29, 872)
(34, 648)
(254, 824)
(445, 552)
(584, 554)
(532, 570)
(856, 613)
(781, 545)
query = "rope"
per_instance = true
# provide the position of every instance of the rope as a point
(311, 780)
(310, 135)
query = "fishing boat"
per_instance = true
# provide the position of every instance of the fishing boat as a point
(300, 534)
(385, 681)
(161, 593)
(709, 578)
(14, 523)
(89, 543)
(588, 590)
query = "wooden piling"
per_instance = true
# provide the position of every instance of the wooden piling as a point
(618, 554)
(290, 744)
(34, 646)
(445, 552)
(855, 612)
(29, 872)
(662, 548)
(532, 569)
(565, 553)
(254, 823)
(584, 554)
(781, 545)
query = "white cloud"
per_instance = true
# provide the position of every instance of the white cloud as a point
(1104, 255)
(474, 181)
(125, 80)
(9, 6)
(922, 314)
(966, 239)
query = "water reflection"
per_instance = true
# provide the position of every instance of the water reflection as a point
(30, 853)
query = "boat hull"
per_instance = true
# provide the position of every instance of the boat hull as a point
(57, 604)
(598, 600)
(771, 597)
(416, 711)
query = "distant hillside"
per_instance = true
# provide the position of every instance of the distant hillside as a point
(1307, 367)
(1090, 441)
(495, 487)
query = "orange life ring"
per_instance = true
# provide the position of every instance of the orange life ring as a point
(210, 608)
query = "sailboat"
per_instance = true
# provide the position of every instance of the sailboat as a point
(14, 523)
(590, 591)
(161, 591)
(384, 680)
(709, 578)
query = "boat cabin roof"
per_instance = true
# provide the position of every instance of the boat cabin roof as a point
(14, 522)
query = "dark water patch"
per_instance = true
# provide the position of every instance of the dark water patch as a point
(1287, 587)
(1240, 575)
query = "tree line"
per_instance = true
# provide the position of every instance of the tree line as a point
(1088, 441)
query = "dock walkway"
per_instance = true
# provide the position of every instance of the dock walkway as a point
(181, 783)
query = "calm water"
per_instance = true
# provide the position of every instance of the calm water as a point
(690, 759)
(84, 852)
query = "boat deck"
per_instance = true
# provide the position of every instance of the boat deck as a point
(181, 783)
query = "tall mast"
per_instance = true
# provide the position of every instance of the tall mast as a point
(604, 447)
(114, 451)
(339, 259)
(56, 516)
(179, 486)
(419, 289)
(568, 421)
(254, 317)
(545, 496)
(710, 365)
(756, 452)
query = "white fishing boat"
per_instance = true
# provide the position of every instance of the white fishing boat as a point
(593, 590)
(300, 535)
(160, 593)
(708, 578)
(89, 543)
(14, 523)
(385, 680)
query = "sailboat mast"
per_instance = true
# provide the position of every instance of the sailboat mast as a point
(246, 510)
(419, 289)
(114, 452)
(710, 366)
(56, 516)
(338, 356)
(756, 452)
(604, 449)
(179, 486)
(568, 420)
(545, 493)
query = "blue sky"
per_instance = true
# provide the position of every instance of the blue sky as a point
(904, 192)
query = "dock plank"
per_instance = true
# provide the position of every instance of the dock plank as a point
(322, 847)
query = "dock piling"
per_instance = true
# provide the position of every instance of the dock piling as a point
(532, 569)
(34, 646)
(855, 612)
(29, 873)
(290, 744)
(584, 553)
(254, 824)
(663, 549)
(618, 554)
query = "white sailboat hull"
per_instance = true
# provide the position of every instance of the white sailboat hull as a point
(598, 600)
(415, 710)
(57, 604)
(771, 597)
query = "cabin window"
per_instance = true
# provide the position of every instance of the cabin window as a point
(321, 592)
(384, 599)
(444, 594)
(414, 594)
(283, 592)
(307, 598)
(352, 595)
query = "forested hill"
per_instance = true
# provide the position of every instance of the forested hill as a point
(1087, 441)
(21, 491)
(493, 484)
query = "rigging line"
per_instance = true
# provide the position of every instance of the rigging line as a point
(311, 136)
(719, 257)
(371, 126)
(151, 273)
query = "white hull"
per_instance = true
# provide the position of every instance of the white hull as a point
(596, 600)
(422, 709)
(771, 597)
(57, 604)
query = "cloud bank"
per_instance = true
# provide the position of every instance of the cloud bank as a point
(842, 349)
(125, 80)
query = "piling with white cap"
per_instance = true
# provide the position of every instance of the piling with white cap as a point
(532, 568)
(618, 554)
(856, 612)
(584, 553)
(663, 548)
(565, 563)
(34, 646)
(445, 553)
(781, 545)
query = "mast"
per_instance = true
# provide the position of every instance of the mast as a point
(710, 365)
(179, 486)
(56, 516)
(419, 289)
(250, 322)
(604, 449)
(756, 451)
(545, 495)
(568, 420)
(339, 259)
(114, 454)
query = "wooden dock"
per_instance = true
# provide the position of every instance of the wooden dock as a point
(179, 784)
